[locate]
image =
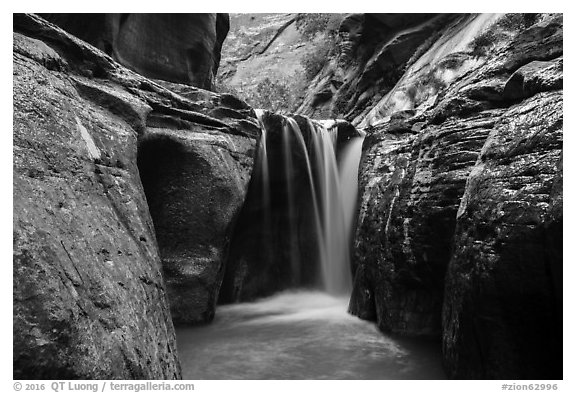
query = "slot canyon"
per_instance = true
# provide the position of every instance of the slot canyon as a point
(288, 196)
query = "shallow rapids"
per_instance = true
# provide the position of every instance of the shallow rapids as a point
(300, 335)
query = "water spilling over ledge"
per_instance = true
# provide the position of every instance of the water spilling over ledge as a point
(299, 217)
(295, 228)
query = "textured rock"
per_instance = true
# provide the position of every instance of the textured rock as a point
(264, 55)
(502, 314)
(438, 187)
(182, 48)
(374, 50)
(196, 179)
(410, 192)
(90, 299)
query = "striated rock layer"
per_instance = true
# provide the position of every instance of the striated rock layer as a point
(459, 228)
(181, 48)
(91, 297)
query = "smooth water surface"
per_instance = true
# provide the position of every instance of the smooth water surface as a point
(300, 335)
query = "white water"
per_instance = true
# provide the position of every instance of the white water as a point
(300, 335)
(338, 191)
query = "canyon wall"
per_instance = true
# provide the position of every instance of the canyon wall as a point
(110, 169)
(136, 207)
(180, 48)
(460, 198)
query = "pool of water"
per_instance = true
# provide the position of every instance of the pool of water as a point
(300, 335)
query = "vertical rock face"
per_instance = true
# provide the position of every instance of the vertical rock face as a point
(92, 285)
(502, 314)
(411, 191)
(460, 198)
(181, 48)
(89, 299)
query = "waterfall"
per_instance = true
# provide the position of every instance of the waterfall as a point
(323, 175)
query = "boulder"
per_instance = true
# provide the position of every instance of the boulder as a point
(196, 180)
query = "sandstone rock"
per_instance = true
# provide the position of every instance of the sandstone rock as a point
(196, 179)
(410, 189)
(534, 77)
(90, 298)
(502, 316)
(183, 48)
(504, 110)
(374, 50)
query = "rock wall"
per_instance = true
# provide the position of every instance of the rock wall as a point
(373, 52)
(96, 269)
(460, 198)
(180, 48)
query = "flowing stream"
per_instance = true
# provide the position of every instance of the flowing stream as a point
(307, 334)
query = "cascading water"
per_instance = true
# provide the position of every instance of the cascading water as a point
(332, 195)
(293, 237)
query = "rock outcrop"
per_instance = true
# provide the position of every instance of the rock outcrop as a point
(91, 299)
(195, 173)
(180, 48)
(460, 198)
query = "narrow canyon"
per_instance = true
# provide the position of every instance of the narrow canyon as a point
(269, 196)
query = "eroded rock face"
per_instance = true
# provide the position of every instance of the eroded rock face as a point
(443, 191)
(196, 180)
(90, 294)
(181, 48)
(502, 312)
(374, 51)
(89, 298)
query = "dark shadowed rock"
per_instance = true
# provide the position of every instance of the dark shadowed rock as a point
(182, 48)
(478, 187)
(502, 315)
(410, 189)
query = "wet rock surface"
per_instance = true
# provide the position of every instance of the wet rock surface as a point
(93, 287)
(196, 178)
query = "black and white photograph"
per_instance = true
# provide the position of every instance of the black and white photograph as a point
(286, 196)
